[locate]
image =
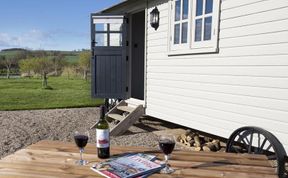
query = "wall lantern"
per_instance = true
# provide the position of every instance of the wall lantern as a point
(154, 18)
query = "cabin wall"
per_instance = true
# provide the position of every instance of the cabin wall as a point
(246, 83)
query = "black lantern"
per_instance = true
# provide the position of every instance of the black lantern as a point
(154, 18)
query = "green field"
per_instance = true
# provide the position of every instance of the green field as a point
(72, 59)
(22, 94)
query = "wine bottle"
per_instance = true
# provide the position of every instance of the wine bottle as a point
(102, 136)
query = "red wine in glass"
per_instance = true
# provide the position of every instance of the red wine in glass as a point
(167, 144)
(81, 139)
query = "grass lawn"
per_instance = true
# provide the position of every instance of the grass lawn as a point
(22, 94)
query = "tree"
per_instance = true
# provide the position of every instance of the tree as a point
(84, 62)
(59, 62)
(43, 66)
(26, 65)
(2, 66)
(8, 62)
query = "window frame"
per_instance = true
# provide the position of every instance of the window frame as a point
(108, 31)
(191, 47)
(181, 21)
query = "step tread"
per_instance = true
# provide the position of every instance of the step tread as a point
(116, 116)
(126, 108)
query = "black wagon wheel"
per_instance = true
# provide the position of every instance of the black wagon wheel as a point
(255, 140)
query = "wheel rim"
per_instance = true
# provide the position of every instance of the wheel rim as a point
(254, 140)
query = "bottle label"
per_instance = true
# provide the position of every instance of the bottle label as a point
(102, 138)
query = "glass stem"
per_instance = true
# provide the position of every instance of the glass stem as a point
(81, 151)
(166, 160)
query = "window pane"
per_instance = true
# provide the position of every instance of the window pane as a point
(207, 28)
(101, 27)
(176, 34)
(116, 27)
(115, 39)
(185, 9)
(199, 7)
(177, 10)
(184, 32)
(198, 30)
(101, 39)
(209, 6)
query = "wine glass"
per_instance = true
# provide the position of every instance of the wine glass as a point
(167, 144)
(81, 139)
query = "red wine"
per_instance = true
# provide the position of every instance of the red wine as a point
(81, 140)
(167, 146)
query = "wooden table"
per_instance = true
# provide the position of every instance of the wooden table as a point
(47, 159)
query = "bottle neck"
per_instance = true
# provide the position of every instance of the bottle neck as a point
(102, 118)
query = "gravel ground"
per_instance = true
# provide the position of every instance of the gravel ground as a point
(19, 129)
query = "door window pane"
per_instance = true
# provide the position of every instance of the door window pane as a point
(101, 39)
(115, 39)
(184, 32)
(177, 10)
(207, 28)
(177, 34)
(198, 30)
(199, 7)
(116, 27)
(209, 6)
(101, 27)
(185, 9)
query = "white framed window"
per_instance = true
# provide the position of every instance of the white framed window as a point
(194, 26)
(181, 25)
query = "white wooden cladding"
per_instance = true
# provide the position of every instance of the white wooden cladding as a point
(246, 83)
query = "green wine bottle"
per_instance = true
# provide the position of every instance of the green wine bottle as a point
(102, 136)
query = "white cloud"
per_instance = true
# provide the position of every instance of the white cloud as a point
(8, 41)
(56, 39)
(36, 36)
(32, 39)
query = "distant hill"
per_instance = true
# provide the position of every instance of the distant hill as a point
(14, 49)
(70, 56)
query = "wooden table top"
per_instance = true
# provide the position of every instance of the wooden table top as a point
(47, 159)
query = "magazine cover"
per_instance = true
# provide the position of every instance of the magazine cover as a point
(136, 165)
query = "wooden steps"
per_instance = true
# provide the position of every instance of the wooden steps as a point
(127, 115)
(123, 115)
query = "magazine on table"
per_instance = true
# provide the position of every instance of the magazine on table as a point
(127, 166)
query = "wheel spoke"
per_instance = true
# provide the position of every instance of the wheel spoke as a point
(263, 144)
(268, 148)
(243, 140)
(251, 141)
(259, 139)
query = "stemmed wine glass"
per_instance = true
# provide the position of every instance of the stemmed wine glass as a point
(167, 144)
(81, 139)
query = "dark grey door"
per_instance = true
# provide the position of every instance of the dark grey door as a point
(137, 62)
(109, 65)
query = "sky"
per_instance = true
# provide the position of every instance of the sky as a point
(48, 24)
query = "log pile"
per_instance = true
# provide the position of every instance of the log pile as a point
(198, 142)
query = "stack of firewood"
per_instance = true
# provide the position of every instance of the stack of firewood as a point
(200, 143)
